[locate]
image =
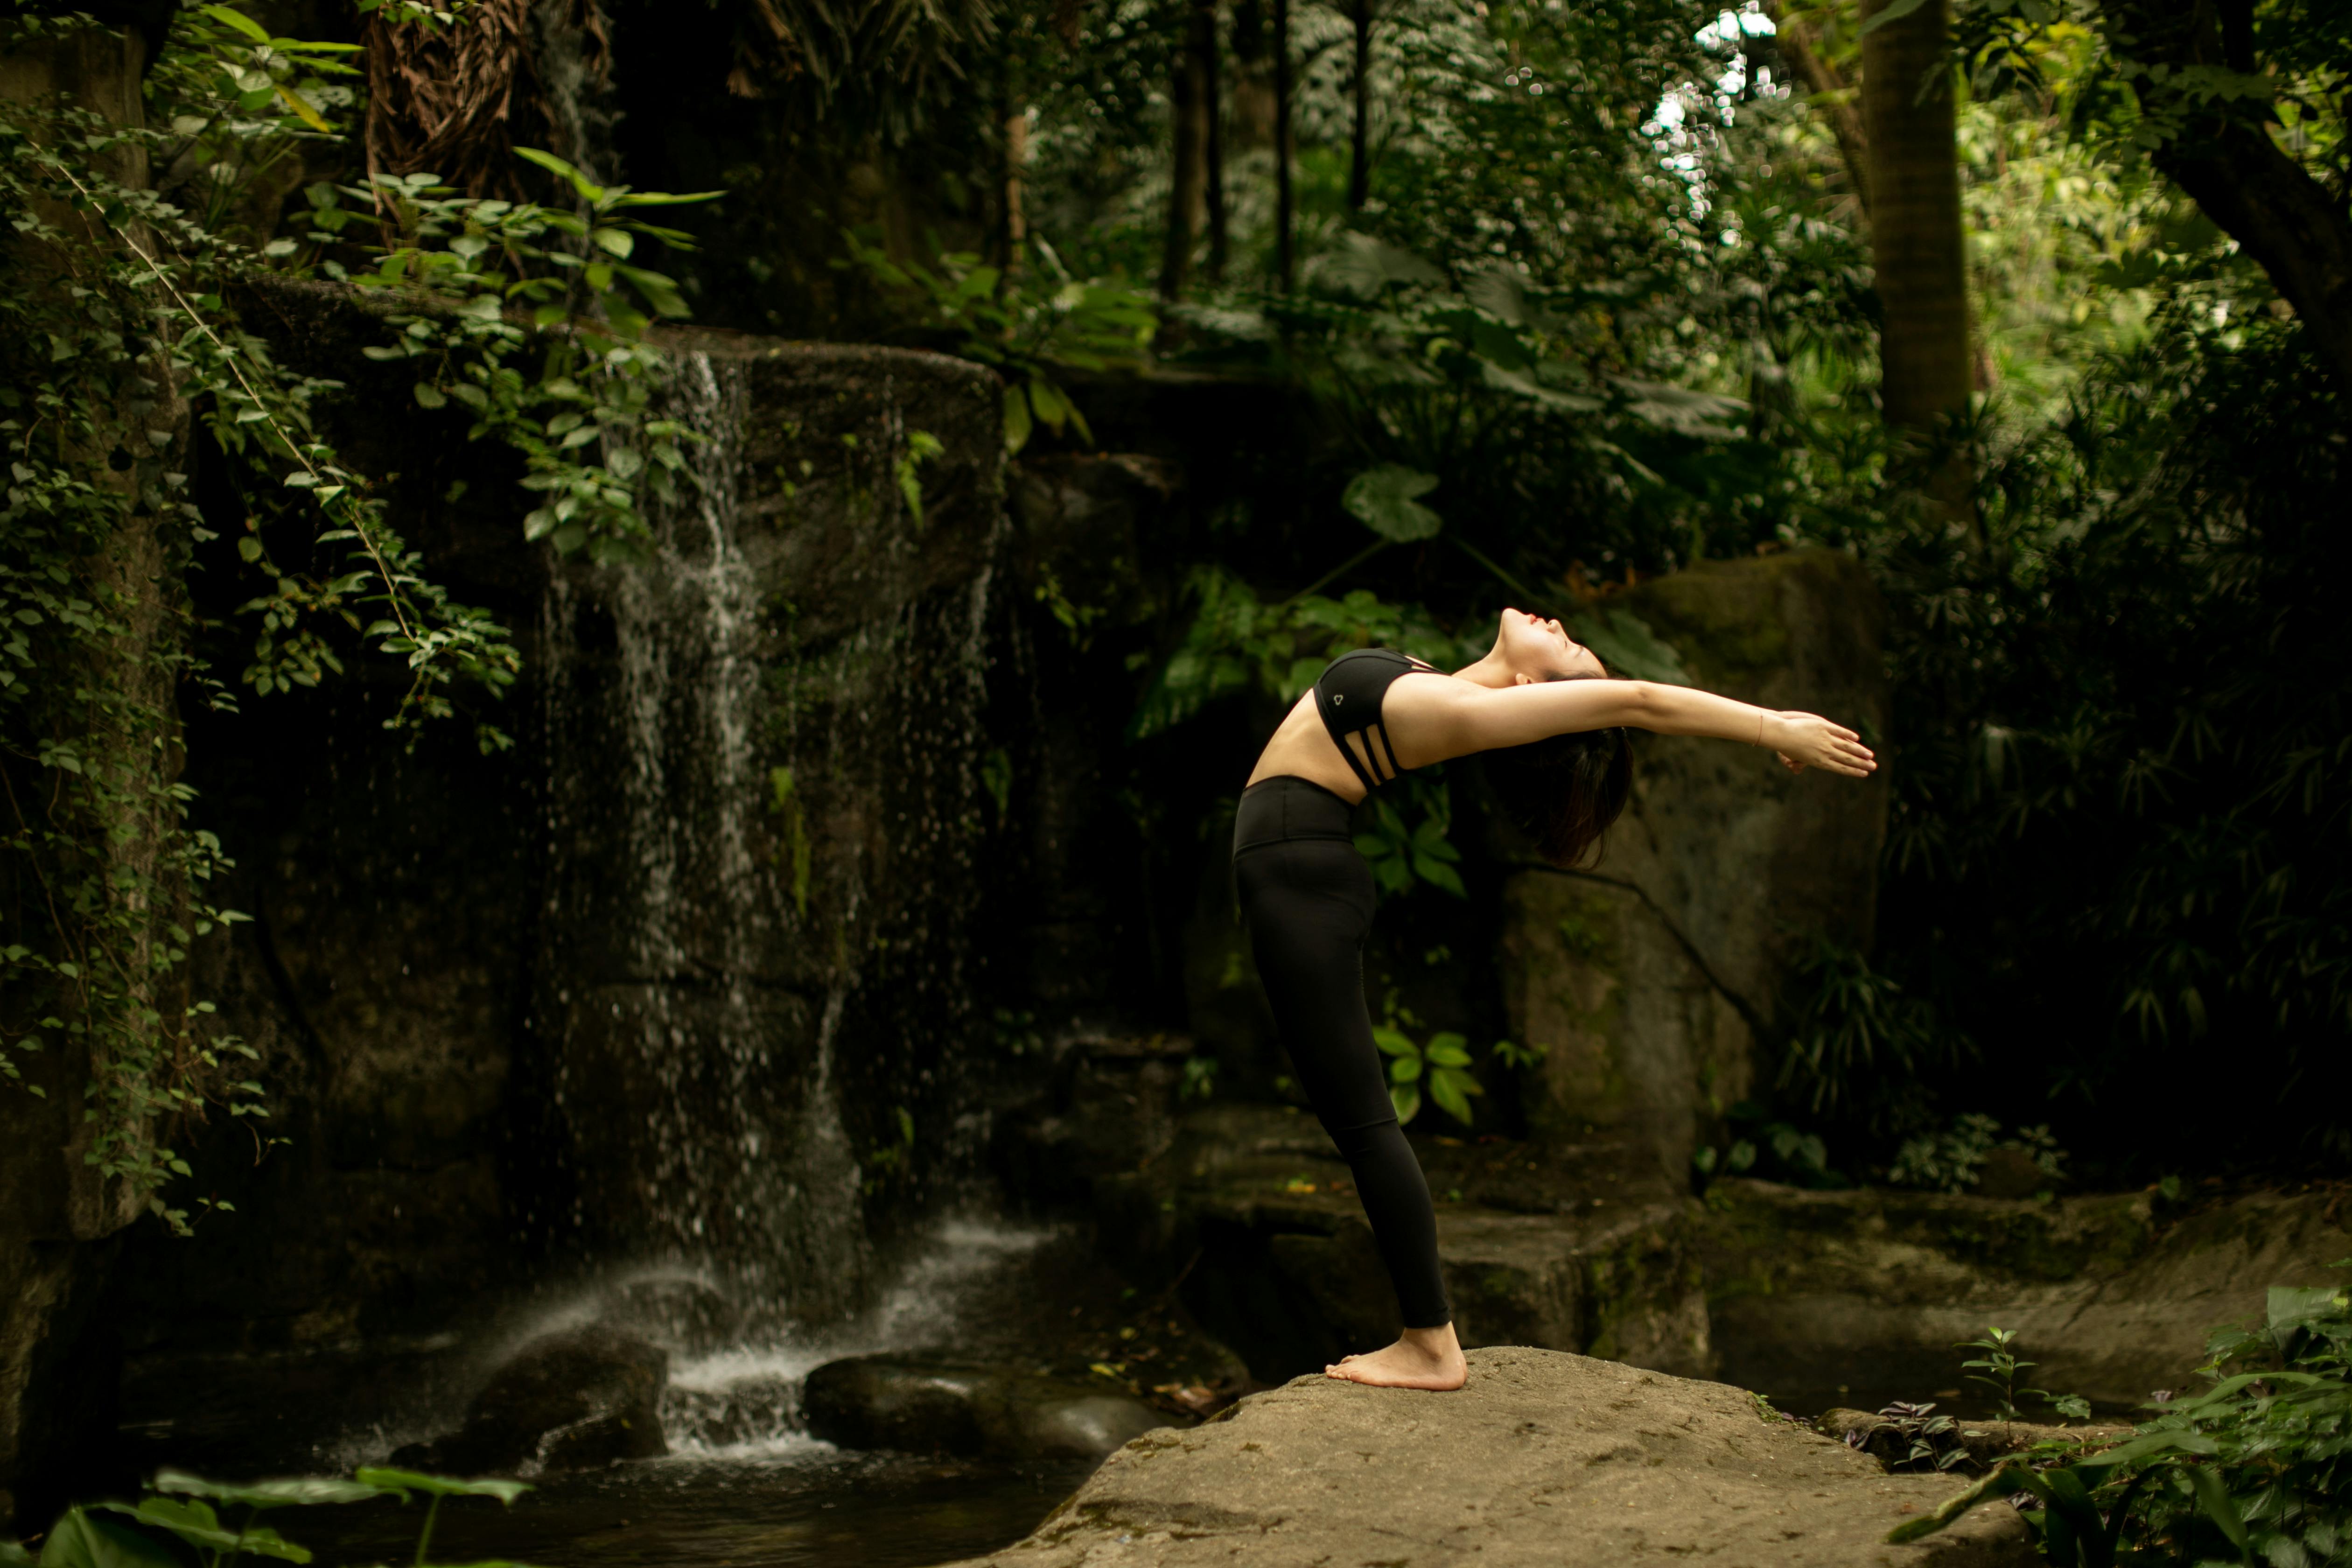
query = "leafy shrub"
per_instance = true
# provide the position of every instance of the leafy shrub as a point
(2257, 1467)
(1948, 1161)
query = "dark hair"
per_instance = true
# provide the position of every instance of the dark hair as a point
(1563, 791)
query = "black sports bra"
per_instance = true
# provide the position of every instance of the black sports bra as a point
(1348, 694)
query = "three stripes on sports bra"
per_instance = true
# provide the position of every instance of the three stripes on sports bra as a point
(1348, 697)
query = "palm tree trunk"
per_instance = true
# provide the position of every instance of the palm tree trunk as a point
(1916, 241)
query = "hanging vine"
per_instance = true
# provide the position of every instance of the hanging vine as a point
(118, 345)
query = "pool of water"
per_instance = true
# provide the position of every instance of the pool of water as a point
(743, 1485)
(806, 1506)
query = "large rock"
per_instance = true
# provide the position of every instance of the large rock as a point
(1544, 1458)
(1873, 1291)
(929, 1406)
(564, 1402)
(1651, 980)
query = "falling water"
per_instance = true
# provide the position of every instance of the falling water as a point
(762, 801)
(690, 1057)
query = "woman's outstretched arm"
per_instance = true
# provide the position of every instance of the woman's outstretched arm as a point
(1432, 718)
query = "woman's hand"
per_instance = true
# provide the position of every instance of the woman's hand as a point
(1808, 740)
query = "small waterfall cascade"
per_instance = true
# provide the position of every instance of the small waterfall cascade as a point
(762, 799)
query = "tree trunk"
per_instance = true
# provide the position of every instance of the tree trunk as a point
(1212, 114)
(1916, 239)
(2226, 161)
(1189, 163)
(1016, 159)
(1917, 246)
(1284, 264)
(1250, 114)
(1831, 95)
(1360, 148)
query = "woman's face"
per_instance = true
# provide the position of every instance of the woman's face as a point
(1534, 648)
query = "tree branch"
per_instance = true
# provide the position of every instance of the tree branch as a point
(2220, 152)
(1829, 92)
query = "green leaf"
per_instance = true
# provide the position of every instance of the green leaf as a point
(588, 190)
(1447, 1050)
(198, 1525)
(302, 108)
(1384, 500)
(402, 1482)
(298, 1491)
(1894, 12)
(1393, 1043)
(240, 21)
(78, 1541)
(1017, 423)
(1406, 1099)
(1052, 408)
(1451, 1089)
(429, 395)
(2001, 1483)
(2146, 1446)
(1438, 874)
(1406, 1070)
(14, 1555)
(2213, 1498)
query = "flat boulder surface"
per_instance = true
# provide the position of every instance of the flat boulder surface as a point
(1545, 1458)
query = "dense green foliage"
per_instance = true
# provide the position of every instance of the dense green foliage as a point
(2258, 1466)
(123, 347)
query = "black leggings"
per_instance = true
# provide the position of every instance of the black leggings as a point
(1307, 899)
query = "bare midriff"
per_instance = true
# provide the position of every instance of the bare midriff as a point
(1303, 748)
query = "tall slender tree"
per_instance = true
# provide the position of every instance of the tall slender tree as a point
(1916, 241)
(1189, 160)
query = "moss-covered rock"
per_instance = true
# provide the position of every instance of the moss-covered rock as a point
(1652, 980)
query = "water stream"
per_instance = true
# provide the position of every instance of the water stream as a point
(694, 1046)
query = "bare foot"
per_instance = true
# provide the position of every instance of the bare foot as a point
(1422, 1358)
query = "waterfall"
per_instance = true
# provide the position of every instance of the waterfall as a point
(690, 1059)
(762, 801)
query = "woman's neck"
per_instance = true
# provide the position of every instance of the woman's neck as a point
(1489, 671)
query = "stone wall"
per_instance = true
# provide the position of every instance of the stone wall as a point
(1654, 981)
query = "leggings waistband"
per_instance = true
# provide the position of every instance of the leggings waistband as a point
(1276, 810)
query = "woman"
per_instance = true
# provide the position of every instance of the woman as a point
(1554, 727)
